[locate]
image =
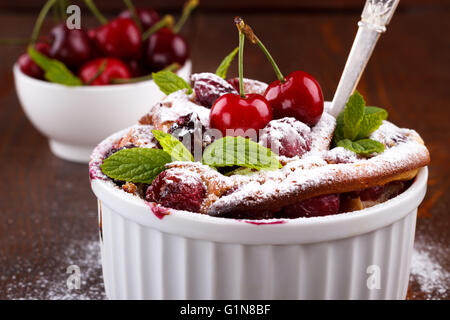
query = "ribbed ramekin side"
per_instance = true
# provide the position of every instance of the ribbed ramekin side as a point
(144, 263)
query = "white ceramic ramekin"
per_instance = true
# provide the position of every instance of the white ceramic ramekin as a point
(76, 119)
(359, 255)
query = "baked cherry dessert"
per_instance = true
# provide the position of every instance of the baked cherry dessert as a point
(254, 163)
(135, 44)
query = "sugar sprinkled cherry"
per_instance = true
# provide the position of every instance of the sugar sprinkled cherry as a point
(101, 71)
(240, 112)
(298, 95)
(177, 189)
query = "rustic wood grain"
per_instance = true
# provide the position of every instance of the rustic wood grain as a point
(48, 212)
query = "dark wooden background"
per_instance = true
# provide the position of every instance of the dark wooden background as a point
(47, 210)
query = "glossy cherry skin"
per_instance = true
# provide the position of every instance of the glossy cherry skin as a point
(70, 46)
(28, 66)
(164, 48)
(147, 16)
(300, 96)
(114, 69)
(233, 112)
(119, 38)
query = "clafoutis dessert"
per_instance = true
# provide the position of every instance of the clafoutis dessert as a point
(244, 149)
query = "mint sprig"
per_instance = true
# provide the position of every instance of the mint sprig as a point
(55, 71)
(140, 165)
(173, 146)
(356, 123)
(238, 151)
(168, 82)
(225, 64)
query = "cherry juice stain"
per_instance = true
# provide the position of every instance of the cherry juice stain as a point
(259, 223)
(158, 211)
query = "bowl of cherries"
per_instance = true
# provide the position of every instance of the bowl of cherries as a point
(78, 86)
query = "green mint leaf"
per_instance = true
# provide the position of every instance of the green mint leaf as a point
(363, 146)
(141, 165)
(225, 64)
(168, 82)
(339, 131)
(55, 71)
(173, 146)
(356, 123)
(372, 120)
(238, 151)
(353, 115)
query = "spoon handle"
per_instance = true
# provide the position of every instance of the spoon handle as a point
(375, 16)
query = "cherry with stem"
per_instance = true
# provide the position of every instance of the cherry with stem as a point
(298, 95)
(235, 114)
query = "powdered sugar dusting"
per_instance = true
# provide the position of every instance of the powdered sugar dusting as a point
(83, 253)
(322, 132)
(140, 136)
(432, 277)
(174, 106)
(286, 136)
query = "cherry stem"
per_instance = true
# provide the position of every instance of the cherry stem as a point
(98, 73)
(172, 67)
(189, 6)
(62, 9)
(133, 12)
(239, 22)
(166, 21)
(100, 17)
(247, 30)
(40, 19)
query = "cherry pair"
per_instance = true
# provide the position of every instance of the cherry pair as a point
(298, 95)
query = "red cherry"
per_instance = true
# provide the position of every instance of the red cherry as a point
(164, 48)
(147, 16)
(314, 207)
(119, 38)
(114, 69)
(300, 96)
(28, 66)
(177, 189)
(70, 46)
(231, 111)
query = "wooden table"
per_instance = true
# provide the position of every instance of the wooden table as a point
(48, 212)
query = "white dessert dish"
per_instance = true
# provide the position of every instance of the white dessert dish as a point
(70, 116)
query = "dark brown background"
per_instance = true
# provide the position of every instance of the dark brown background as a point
(48, 213)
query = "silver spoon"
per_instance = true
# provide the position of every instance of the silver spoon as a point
(374, 19)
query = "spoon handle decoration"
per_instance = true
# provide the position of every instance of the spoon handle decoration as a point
(375, 16)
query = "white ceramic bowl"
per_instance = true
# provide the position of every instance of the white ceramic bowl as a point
(76, 119)
(364, 254)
